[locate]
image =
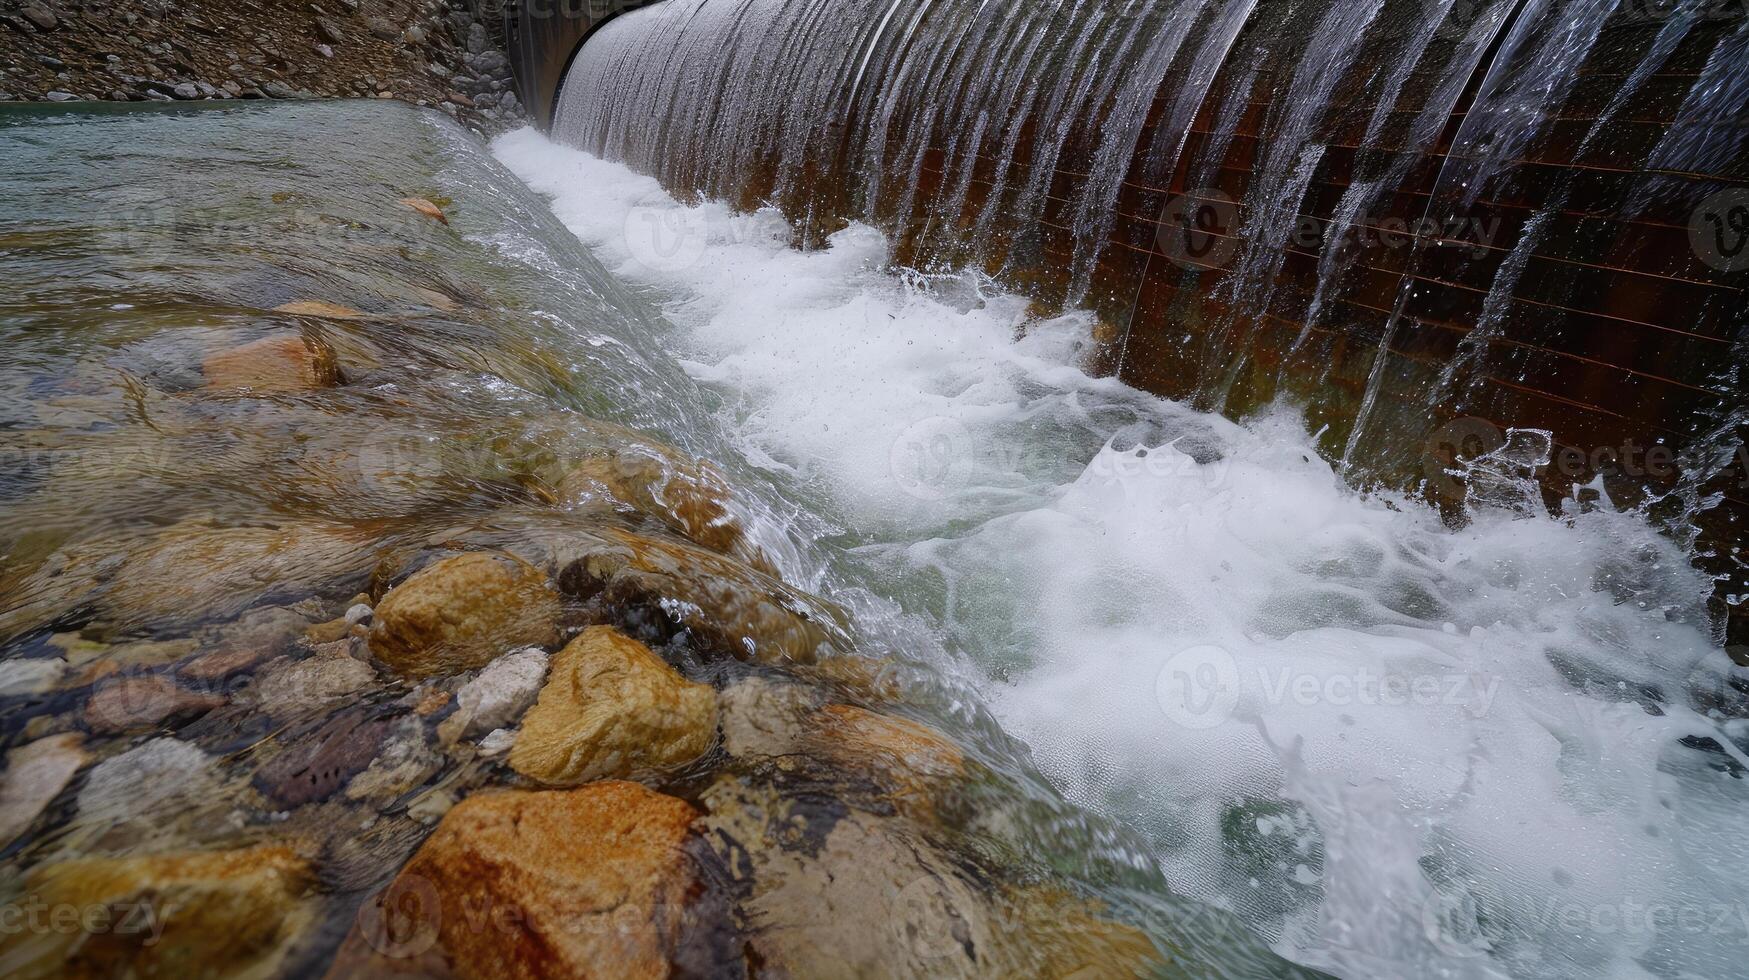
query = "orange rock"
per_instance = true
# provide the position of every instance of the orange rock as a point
(911, 758)
(461, 613)
(202, 914)
(281, 362)
(311, 307)
(591, 882)
(425, 208)
(612, 708)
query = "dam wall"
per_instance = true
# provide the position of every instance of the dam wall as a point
(1427, 222)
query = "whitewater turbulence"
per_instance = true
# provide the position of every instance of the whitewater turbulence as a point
(1394, 748)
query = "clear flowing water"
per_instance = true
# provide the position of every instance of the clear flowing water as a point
(145, 505)
(1392, 747)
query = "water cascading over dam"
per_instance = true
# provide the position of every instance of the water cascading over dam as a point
(1425, 222)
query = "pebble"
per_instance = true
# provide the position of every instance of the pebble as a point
(43, 18)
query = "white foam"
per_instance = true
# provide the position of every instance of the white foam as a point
(1190, 621)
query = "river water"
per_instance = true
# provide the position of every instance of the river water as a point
(1393, 747)
(1220, 686)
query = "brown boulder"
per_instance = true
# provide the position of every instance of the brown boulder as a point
(729, 608)
(690, 497)
(592, 882)
(461, 613)
(281, 362)
(200, 914)
(612, 708)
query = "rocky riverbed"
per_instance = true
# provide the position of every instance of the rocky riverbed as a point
(446, 54)
(380, 599)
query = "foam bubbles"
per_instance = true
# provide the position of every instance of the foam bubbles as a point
(1394, 747)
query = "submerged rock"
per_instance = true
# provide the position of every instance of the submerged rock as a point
(257, 636)
(729, 609)
(318, 308)
(195, 914)
(910, 762)
(289, 687)
(612, 708)
(579, 883)
(461, 613)
(498, 697)
(131, 704)
(190, 572)
(320, 764)
(35, 775)
(828, 891)
(280, 362)
(147, 783)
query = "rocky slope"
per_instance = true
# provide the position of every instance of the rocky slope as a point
(442, 53)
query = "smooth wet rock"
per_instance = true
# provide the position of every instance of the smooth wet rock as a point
(257, 636)
(277, 363)
(836, 892)
(729, 609)
(690, 497)
(289, 687)
(315, 766)
(591, 882)
(194, 570)
(498, 697)
(763, 718)
(911, 762)
(35, 775)
(461, 613)
(37, 675)
(611, 708)
(185, 574)
(405, 761)
(139, 703)
(41, 17)
(147, 783)
(193, 914)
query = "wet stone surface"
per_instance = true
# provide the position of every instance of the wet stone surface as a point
(379, 596)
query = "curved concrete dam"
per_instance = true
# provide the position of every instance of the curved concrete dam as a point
(1426, 222)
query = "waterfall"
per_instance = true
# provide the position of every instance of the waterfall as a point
(1418, 210)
